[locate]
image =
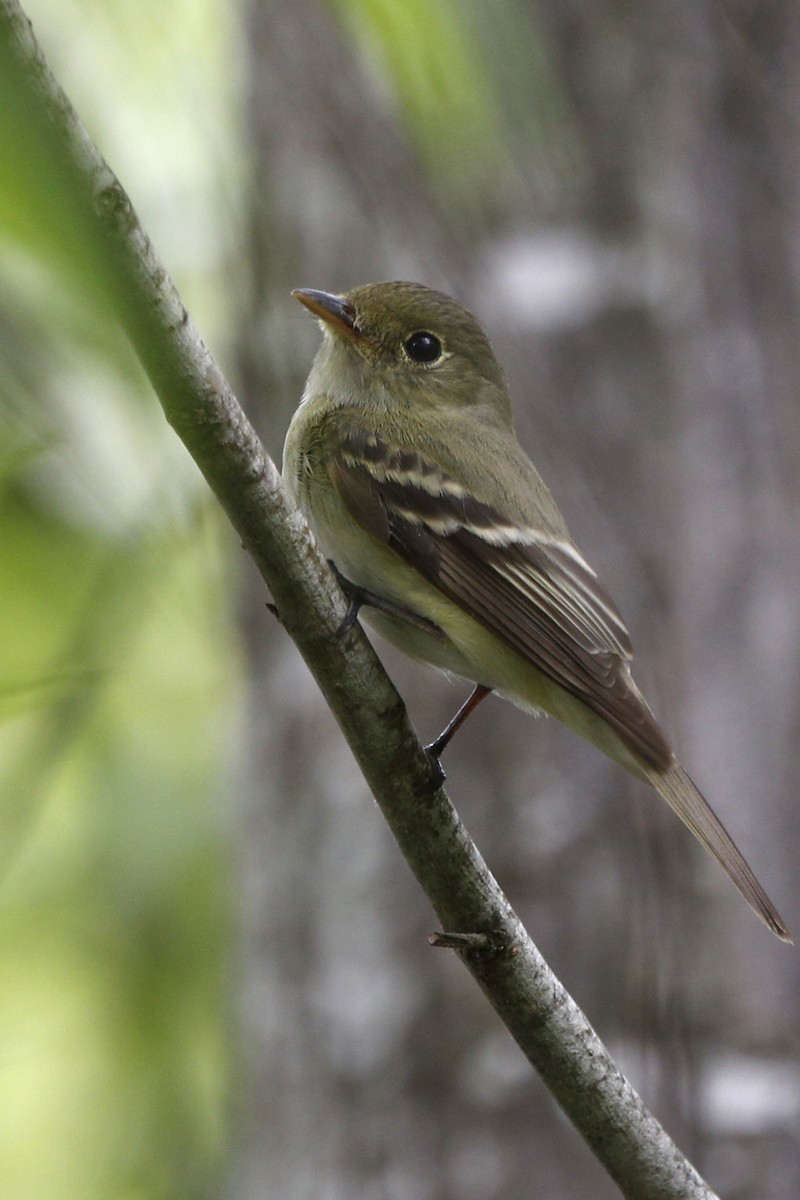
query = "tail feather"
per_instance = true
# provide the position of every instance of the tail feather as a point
(684, 798)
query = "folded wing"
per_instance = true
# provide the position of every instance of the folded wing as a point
(536, 594)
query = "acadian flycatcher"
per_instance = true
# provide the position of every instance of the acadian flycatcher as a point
(403, 456)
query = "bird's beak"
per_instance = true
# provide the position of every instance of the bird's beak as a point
(334, 310)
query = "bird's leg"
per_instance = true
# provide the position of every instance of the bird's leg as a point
(437, 746)
(360, 597)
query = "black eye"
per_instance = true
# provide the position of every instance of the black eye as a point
(423, 347)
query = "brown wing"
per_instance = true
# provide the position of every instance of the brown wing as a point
(537, 595)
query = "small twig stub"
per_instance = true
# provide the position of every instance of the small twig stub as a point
(478, 943)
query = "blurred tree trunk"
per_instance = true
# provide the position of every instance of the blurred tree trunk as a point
(662, 408)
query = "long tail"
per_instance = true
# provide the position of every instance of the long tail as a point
(683, 797)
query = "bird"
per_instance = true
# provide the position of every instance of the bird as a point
(403, 457)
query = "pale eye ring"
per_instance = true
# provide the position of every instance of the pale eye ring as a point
(423, 347)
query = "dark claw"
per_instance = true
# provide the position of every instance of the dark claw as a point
(438, 773)
(356, 599)
(360, 597)
(350, 617)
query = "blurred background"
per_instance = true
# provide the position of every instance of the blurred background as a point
(216, 976)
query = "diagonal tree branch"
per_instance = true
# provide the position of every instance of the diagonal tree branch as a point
(548, 1026)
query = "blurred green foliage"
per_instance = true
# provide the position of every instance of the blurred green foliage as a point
(476, 89)
(118, 653)
(425, 61)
